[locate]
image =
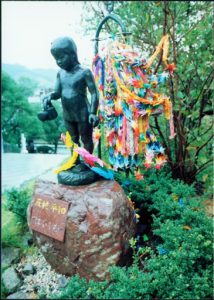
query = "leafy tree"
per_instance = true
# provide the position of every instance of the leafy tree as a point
(16, 110)
(35, 128)
(27, 85)
(19, 116)
(189, 25)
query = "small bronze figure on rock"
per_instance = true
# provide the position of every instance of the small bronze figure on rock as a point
(71, 86)
(72, 83)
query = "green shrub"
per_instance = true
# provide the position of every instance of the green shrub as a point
(14, 216)
(12, 230)
(76, 289)
(17, 201)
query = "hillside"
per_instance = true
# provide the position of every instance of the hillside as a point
(45, 77)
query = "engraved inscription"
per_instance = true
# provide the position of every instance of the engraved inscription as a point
(48, 216)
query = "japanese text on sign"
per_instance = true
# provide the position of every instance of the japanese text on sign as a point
(48, 216)
(44, 204)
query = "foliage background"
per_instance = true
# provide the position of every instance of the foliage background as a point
(20, 116)
(189, 25)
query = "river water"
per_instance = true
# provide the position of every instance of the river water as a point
(18, 168)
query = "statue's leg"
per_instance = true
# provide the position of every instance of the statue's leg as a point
(72, 128)
(85, 131)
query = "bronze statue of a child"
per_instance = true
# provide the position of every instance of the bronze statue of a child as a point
(71, 86)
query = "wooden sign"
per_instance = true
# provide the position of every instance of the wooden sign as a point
(48, 216)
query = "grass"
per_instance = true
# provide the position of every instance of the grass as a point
(12, 230)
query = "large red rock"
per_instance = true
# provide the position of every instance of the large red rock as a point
(99, 224)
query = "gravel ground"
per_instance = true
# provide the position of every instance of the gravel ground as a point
(45, 280)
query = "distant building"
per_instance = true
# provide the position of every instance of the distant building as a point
(38, 94)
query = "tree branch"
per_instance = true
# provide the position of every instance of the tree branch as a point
(10, 118)
(200, 135)
(201, 94)
(203, 166)
(163, 139)
(201, 147)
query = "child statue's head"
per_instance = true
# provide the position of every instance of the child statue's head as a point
(64, 50)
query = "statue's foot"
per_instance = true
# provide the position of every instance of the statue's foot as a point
(81, 167)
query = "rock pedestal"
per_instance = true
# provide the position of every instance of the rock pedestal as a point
(99, 224)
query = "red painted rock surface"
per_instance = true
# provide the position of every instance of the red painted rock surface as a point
(98, 227)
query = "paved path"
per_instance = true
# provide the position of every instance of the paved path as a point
(18, 168)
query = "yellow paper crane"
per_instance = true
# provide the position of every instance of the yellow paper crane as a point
(71, 162)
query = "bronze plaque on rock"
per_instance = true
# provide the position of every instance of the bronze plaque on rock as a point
(48, 216)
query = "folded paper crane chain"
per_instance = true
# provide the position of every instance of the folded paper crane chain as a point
(128, 97)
